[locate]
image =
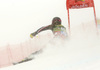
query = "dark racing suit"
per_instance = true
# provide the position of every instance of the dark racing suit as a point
(58, 30)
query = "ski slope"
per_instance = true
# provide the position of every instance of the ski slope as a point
(80, 52)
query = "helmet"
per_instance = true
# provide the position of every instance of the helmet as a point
(56, 21)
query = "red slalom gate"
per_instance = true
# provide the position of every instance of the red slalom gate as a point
(77, 4)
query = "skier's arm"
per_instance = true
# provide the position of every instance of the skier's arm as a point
(40, 30)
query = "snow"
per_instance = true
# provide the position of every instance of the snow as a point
(80, 52)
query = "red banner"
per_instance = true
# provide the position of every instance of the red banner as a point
(75, 4)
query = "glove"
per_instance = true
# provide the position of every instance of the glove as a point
(31, 35)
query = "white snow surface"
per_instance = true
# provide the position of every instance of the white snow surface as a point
(75, 54)
(80, 52)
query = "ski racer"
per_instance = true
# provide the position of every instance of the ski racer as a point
(58, 30)
(56, 27)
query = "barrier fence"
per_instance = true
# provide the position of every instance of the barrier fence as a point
(17, 52)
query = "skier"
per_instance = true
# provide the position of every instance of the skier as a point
(58, 30)
(56, 27)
